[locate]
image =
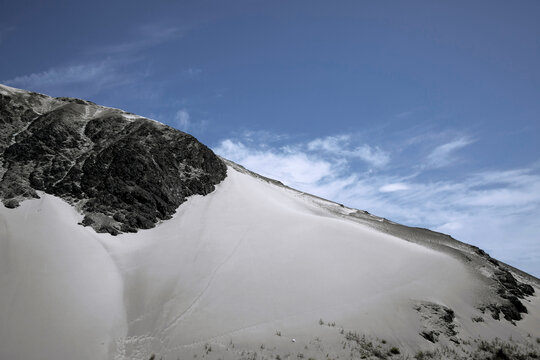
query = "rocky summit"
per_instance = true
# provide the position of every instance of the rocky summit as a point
(122, 171)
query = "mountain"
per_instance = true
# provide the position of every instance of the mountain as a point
(122, 238)
(124, 171)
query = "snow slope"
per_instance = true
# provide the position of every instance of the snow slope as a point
(61, 294)
(248, 267)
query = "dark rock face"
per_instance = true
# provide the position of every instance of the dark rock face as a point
(511, 291)
(437, 320)
(124, 172)
(431, 336)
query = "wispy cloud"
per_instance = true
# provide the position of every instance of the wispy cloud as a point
(100, 74)
(182, 120)
(444, 154)
(113, 65)
(372, 155)
(489, 209)
(331, 144)
(408, 113)
(193, 72)
(341, 145)
(262, 137)
(144, 37)
(393, 187)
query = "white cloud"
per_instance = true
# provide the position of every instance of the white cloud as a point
(144, 37)
(192, 72)
(505, 197)
(262, 137)
(393, 187)
(294, 168)
(449, 227)
(100, 74)
(84, 78)
(332, 144)
(182, 120)
(374, 156)
(443, 155)
(512, 177)
(340, 145)
(405, 114)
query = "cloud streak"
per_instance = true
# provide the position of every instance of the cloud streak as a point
(373, 156)
(182, 120)
(393, 187)
(114, 66)
(145, 36)
(443, 155)
(100, 74)
(340, 145)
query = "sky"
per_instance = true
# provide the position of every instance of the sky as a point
(423, 112)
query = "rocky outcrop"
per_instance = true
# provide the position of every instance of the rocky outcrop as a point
(123, 171)
(437, 321)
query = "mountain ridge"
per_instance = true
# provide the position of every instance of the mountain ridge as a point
(239, 266)
(505, 283)
(124, 172)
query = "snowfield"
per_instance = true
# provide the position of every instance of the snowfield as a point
(243, 270)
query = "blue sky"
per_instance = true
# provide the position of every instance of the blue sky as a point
(427, 113)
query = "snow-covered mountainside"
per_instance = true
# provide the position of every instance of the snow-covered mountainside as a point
(243, 268)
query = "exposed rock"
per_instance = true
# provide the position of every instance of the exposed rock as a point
(437, 320)
(75, 100)
(510, 291)
(509, 285)
(431, 335)
(126, 172)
